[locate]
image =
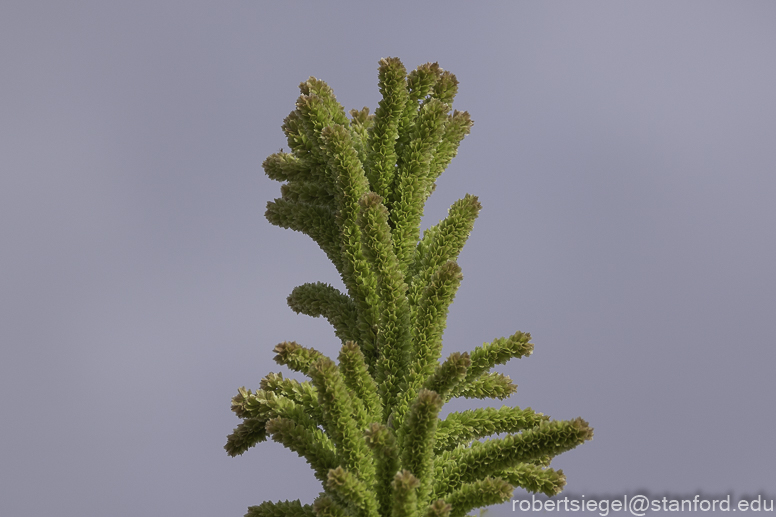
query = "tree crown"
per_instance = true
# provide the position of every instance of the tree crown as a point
(368, 424)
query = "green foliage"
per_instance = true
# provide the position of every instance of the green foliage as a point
(369, 424)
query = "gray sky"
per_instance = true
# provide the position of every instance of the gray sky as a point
(624, 153)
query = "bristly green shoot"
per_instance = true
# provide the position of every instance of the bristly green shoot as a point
(369, 424)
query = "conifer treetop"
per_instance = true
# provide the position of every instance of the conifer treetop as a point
(368, 424)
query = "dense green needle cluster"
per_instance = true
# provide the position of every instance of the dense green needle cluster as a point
(369, 423)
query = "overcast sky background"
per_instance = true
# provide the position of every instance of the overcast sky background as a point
(624, 154)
